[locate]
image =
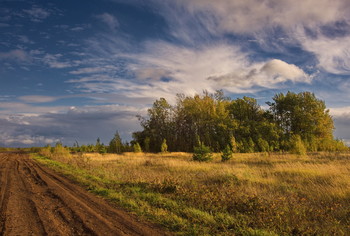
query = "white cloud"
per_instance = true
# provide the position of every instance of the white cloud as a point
(53, 61)
(227, 16)
(340, 111)
(110, 20)
(282, 71)
(333, 54)
(37, 99)
(212, 67)
(25, 139)
(15, 55)
(93, 70)
(37, 14)
(164, 69)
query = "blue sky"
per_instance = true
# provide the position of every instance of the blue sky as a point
(78, 70)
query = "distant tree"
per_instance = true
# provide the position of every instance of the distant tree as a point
(98, 145)
(115, 145)
(215, 121)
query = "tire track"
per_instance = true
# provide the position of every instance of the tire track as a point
(34, 200)
(4, 193)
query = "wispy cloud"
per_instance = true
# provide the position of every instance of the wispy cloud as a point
(164, 69)
(37, 99)
(250, 16)
(53, 61)
(93, 70)
(37, 14)
(18, 55)
(333, 54)
(110, 20)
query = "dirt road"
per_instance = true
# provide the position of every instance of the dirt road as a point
(34, 200)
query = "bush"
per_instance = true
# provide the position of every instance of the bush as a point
(60, 153)
(164, 146)
(46, 151)
(202, 153)
(226, 154)
(137, 147)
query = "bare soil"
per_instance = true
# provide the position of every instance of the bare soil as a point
(35, 200)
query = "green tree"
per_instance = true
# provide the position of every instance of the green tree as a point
(304, 115)
(115, 145)
(158, 125)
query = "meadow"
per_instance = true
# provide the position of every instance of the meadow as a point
(251, 194)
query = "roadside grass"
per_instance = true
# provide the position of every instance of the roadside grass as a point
(251, 194)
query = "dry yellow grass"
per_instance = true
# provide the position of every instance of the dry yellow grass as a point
(255, 193)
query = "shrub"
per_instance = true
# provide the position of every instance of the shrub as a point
(46, 151)
(164, 146)
(60, 153)
(202, 153)
(137, 147)
(226, 154)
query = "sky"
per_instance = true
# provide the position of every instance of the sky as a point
(79, 70)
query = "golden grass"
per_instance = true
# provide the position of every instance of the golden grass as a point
(257, 193)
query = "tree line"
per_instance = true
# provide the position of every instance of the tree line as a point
(293, 122)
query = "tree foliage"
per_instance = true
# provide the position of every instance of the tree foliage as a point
(241, 123)
(115, 145)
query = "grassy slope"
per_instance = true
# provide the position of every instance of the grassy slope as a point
(253, 194)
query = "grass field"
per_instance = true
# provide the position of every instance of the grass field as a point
(252, 194)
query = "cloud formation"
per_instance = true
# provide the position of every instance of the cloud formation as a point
(37, 99)
(110, 20)
(15, 55)
(226, 16)
(75, 123)
(333, 54)
(37, 14)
